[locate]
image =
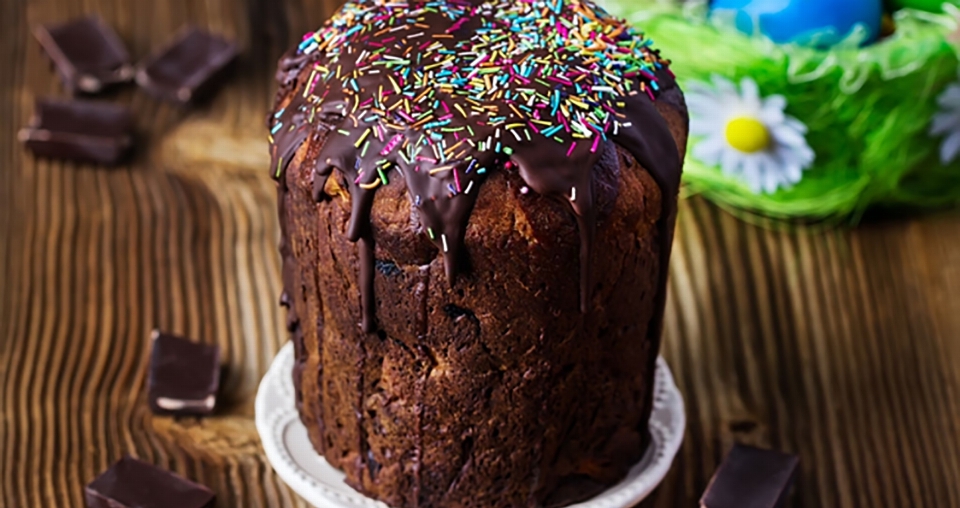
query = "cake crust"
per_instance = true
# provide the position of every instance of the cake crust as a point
(463, 398)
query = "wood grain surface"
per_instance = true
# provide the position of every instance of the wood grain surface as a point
(841, 346)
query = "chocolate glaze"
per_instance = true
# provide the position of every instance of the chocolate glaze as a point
(288, 69)
(366, 152)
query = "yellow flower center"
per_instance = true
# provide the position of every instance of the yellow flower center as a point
(747, 134)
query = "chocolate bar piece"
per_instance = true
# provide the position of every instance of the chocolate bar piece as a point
(87, 53)
(187, 68)
(751, 478)
(131, 483)
(79, 130)
(184, 376)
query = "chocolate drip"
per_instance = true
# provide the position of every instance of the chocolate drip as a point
(550, 172)
(285, 143)
(337, 155)
(587, 225)
(655, 149)
(376, 137)
(293, 131)
(288, 69)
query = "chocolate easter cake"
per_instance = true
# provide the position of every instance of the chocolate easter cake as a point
(477, 202)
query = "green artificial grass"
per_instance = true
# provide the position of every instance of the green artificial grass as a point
(868, 110)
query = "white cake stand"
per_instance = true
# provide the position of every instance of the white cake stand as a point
(292, 456)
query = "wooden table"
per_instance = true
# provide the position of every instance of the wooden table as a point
(841, 346)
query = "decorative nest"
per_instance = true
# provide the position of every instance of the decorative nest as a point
(846, 129)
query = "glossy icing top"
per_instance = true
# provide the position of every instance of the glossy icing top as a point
(436, 94)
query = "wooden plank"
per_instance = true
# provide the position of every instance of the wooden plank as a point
(834, 345)
(840, 345)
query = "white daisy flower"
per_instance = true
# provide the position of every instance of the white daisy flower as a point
(746, 135)
(947, 123)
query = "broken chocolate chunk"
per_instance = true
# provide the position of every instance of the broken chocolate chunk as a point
(751, 478)
(87, 53)
(79, 130)
(184, 376)
(188, 68)
(131, 483)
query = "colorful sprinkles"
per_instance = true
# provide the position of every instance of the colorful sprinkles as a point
(444, 91)
(557, 69)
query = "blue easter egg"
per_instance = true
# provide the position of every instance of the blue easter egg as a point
(820, 23)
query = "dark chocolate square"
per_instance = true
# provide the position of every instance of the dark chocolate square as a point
(184, 376)
(87, 53)
(751, 478)
(131, 483)
(79, 130)
(187, 68)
